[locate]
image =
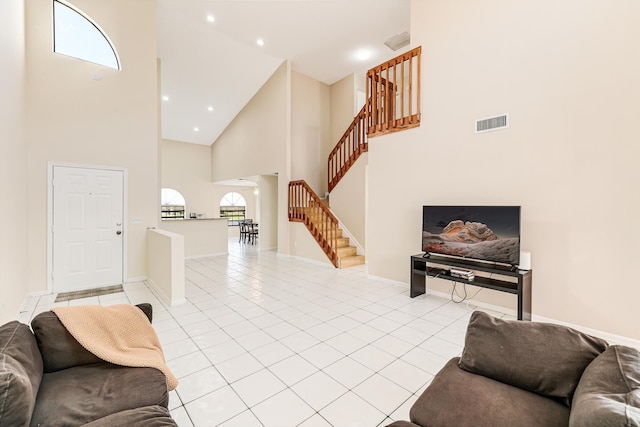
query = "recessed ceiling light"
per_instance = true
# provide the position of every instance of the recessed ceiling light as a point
(363, 54)
(196, 129)
(165, 98)
(211, 18)
(260, 42)
(210, 108)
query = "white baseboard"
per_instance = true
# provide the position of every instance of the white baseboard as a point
(39, 293)
(162, 297)
(206, 255)
(481, 304)
(135, 279)
(309, 260)
(610, 338)
(389, 281)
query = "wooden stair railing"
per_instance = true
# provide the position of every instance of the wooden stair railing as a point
(305, 206)
(393, 94)
(393, 104)
(352, 144)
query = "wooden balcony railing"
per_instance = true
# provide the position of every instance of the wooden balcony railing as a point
(305, 206)
(393, 94)
(393, 104)
(346, 152)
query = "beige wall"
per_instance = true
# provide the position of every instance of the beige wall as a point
(13, 160)
(347, 199)
(166, 266)
(186, 168)
(310, 128)
(202, 237)
(268, 208)
(343, 107)
(567, 73)
(111, 121)
(258, 142)
(303, 245)
(254, 142)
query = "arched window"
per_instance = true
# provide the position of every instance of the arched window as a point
(172, 204)
(233, 207)
(77, 35)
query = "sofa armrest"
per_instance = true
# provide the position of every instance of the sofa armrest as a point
(147, 309)
(403, 424)
(148, 416)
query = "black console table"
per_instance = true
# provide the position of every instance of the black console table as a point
(498, 280)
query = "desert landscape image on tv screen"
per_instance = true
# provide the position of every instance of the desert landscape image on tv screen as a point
(490, 233)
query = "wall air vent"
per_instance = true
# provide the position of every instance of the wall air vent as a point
(492, 123)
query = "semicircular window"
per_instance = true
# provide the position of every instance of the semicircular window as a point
(233, 207)
(78, 36)
(172, 204)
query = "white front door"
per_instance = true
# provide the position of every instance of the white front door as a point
(88, 213)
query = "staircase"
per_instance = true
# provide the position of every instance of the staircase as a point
(305, 206)
(393, 104)
(347, 254)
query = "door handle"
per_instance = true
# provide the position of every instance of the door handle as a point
(118, 232)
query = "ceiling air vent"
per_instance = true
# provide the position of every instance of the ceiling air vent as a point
(398, 41)
(492, 123)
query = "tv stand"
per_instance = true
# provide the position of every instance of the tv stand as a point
(501, 278)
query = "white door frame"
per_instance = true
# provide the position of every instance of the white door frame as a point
(125, 209)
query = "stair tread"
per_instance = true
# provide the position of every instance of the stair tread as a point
(352, 261)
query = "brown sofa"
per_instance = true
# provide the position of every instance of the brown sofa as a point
(48, 379)
(523, 374)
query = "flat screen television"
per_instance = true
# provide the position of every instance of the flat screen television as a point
(486, 233)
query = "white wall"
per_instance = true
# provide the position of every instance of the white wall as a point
(202, 237)
(258, 142)
(113, 121)
(310, 131)
(13, 160)
(303, 245)
(343, 107)
(186, 168)
(347, 199)
(268, 208)
(254, 142)
(166, 271)
(567, 73)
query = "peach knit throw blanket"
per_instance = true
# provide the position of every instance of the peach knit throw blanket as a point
(120, 334)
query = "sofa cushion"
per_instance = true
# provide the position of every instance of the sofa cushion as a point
(609, 391)
(148, 416)
(540, 357)
(85, 393)
(459, 398)
(20, 373)
(58, 347)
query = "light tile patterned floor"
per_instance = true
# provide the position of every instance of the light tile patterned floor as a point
(267, 340)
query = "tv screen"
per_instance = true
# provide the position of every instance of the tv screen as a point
(488, 233)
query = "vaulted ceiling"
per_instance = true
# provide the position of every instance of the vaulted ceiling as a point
(211, 63)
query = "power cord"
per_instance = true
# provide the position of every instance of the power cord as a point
(465, 297)
(455, 291)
